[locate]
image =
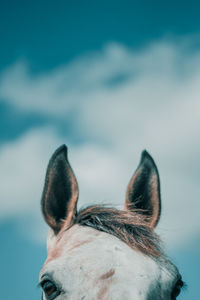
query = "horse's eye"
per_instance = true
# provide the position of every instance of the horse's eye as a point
(50, 289)
(177, 289)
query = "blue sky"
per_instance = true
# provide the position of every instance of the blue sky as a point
(109, 79)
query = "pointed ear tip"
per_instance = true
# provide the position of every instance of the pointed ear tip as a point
(147, 160)
(63, 147)
(60, 150)
(145, 154)
(146, 157)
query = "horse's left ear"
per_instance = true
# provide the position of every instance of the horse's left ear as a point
(60, 194)
(143, 192)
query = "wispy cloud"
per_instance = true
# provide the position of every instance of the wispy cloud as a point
(21, 173)
(121, 102)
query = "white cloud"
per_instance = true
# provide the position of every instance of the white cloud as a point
(155, 105)
(23, 164)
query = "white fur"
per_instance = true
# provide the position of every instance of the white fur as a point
(83, 255)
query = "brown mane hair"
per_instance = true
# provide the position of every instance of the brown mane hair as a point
(130, 227)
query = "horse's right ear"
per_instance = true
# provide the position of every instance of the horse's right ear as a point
(60, 193)
(143, 192)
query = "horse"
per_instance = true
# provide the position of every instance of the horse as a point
(100, 252)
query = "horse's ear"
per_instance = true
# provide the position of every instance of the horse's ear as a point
(60, 192)
(143, 192)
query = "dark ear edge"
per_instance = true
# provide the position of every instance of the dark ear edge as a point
(143, 191)
(60, 193)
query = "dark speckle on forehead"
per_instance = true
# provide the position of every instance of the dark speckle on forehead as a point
(108, 274)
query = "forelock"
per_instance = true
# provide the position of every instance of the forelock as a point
(130, 227)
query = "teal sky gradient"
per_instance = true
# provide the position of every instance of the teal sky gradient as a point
(49, 33)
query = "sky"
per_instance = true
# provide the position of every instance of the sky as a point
(109, 79)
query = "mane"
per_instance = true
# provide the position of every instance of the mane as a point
(130, 227)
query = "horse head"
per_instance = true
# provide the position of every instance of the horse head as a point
(100, 252)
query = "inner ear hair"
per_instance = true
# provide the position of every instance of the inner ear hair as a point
(60, 193)
(143, 191)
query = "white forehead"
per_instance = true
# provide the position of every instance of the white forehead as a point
(95, 265)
